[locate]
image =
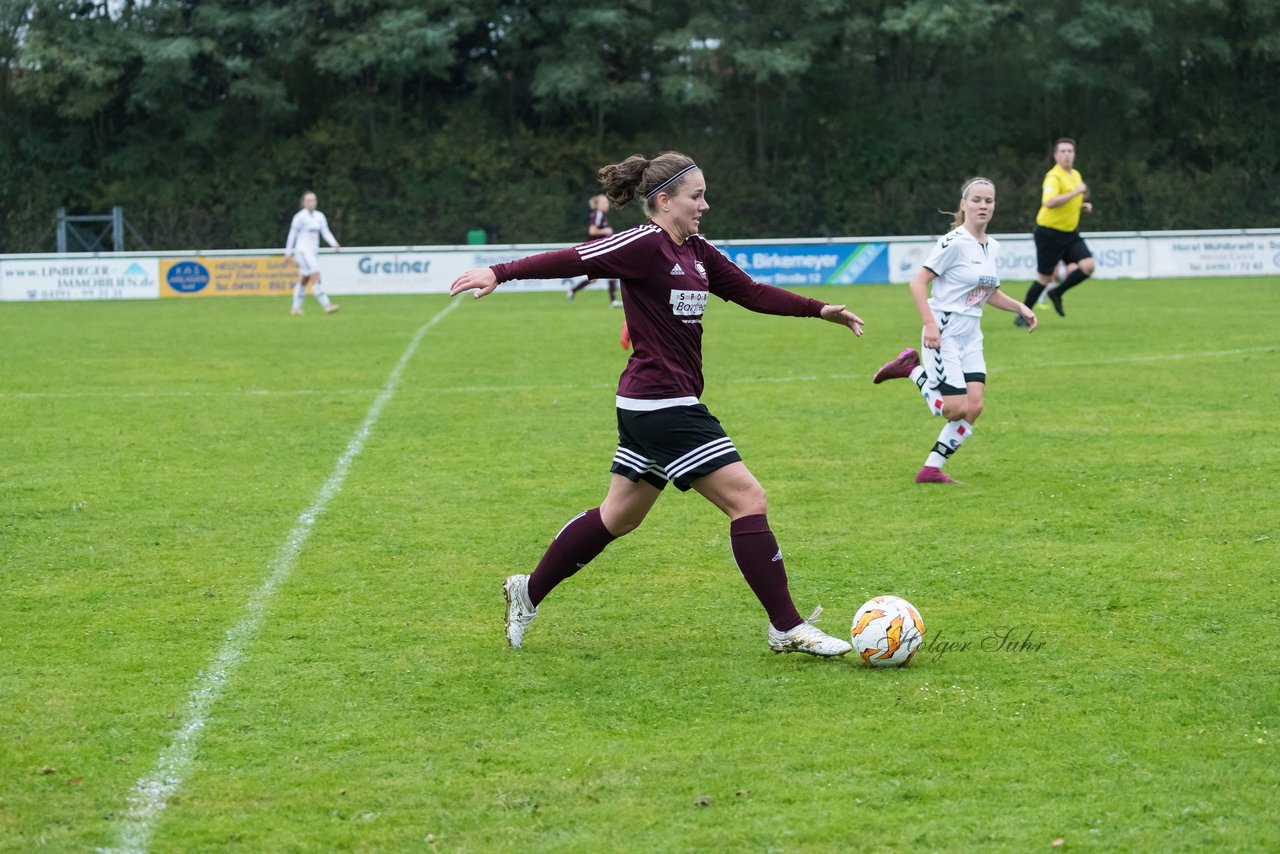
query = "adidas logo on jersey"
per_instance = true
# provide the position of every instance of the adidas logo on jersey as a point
(677, 271)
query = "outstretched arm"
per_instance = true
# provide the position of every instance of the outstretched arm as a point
(729, 281)
(481, 280)
(560, 264)
(838, 314)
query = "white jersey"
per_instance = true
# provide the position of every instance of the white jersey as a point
(966, 272)
(305, 232)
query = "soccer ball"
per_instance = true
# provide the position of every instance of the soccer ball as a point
(887, 631)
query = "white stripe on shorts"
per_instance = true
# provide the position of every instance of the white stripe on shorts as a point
(634, 461)
(698, 456)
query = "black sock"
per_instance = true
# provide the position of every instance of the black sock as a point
(1077, 276)
(1033, 294)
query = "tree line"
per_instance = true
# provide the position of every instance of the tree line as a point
(418, 120)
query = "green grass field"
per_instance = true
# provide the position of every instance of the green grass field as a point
(1120, 530)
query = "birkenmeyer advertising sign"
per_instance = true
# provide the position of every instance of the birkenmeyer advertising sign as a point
(813, 263)
(79, 279)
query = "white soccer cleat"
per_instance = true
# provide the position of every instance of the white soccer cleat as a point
(520, 611)
(808, 638)
(331, 308)
(296, 311)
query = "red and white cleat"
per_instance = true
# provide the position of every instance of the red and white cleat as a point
(933, 474)
(902, 366)
(331, 308)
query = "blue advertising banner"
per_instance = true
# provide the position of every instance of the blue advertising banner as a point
(814, 263)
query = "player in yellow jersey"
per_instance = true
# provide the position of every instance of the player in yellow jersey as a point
(1057, 231)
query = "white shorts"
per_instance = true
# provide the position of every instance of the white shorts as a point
(308, 262)
(958, 360)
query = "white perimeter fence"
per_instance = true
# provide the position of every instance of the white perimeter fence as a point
(430, 269)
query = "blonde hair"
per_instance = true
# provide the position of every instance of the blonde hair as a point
(958, 215)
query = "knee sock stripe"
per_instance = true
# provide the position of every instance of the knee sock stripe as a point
(575, 546)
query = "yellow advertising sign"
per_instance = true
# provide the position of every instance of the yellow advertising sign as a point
(228, 276)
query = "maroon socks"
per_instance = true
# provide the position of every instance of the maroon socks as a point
(574, 547)
(760, 561)
(754, 549)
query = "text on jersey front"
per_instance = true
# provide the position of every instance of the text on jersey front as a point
(688, 303)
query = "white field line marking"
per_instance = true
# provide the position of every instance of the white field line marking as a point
(491, 389)
(151, 793)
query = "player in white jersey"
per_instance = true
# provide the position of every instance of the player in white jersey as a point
(953, 377)
(308, 226)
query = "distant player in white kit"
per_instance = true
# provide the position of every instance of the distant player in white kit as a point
(308, 226)
(953, 378)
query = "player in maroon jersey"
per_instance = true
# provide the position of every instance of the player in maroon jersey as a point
(665, 435)
(598, 227)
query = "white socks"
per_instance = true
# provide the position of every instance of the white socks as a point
(952, 437)
(932, 397)
(300, 291)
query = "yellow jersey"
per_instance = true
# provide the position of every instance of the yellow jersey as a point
(1064, 217)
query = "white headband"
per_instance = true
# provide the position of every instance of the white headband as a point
(667, 183)
(973, 181)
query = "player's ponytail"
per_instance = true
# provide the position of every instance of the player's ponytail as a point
(620, 181)
(958, 215)
(640, 177)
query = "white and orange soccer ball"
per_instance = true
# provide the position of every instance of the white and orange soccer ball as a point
(887, 631)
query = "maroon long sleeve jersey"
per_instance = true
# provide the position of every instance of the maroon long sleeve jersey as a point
(666, 286)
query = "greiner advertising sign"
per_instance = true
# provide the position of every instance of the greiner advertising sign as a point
(79, 279)
(403, 272)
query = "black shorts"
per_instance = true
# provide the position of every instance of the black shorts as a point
(678, 444)
(1053, 246)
